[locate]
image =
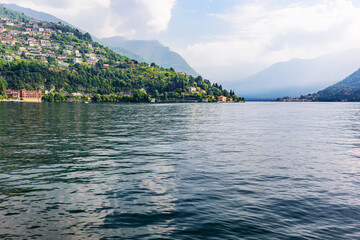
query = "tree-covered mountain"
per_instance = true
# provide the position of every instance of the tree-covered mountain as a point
(33, 14)
(299, 76)
(142, 51)
(151, 51)
(347, 90)
(4, 11)
(59, 59)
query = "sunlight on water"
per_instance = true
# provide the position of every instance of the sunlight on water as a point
(178, 171)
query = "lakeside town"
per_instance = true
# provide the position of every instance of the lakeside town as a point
(36, 96)
(63, 49)
(35, 39)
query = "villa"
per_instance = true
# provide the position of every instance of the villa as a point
(222, 99)
(28, 96)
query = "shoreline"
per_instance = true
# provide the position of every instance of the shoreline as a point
(19, 101)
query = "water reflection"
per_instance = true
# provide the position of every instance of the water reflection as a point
(255, 170)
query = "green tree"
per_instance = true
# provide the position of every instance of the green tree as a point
(23, 55)
(3, 86)
(2, 90)
(156, 94)
(51, 97)
(141, 96)
(97, 98)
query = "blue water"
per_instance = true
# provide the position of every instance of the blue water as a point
(180, 171)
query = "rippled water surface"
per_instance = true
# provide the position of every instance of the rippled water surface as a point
(180, 171)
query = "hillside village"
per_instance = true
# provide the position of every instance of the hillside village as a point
(67, 64)
(36, 39)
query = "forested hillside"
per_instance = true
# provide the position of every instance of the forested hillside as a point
(60, 59)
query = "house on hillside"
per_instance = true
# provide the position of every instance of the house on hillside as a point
(77, 60)
(67, 52)
(60, 63)
(45, 43)
(222, 99)
(77, 53)
(192, 90)
(7, 57)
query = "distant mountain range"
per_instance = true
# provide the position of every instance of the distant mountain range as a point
(347, 90)
(68, 65)
(299, 76)
(140, 50)
(150, 51)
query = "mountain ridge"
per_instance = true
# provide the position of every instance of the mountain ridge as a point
(52, 57)
(299, 76)
(154, 52)
(347, 90)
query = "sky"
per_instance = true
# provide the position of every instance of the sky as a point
(224, 40)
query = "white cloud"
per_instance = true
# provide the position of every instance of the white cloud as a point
(262, 36)
(108, 17)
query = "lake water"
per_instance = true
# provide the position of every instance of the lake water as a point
(180, 171)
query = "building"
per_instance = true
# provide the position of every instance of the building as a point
(77, 60)
(61, 57)
(60, 63)
(7, 58)
(45, 43)
(13, 94)
(67, 52)
(222, 99)
(92, 61)
(77, 53)
(192, 90)
(28, 96)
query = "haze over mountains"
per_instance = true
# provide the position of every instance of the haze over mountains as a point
(151, 51)
(140, 50)
(299, 76)
(347, 90)
(293, 78)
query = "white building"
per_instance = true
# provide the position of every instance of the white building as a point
(77, 60)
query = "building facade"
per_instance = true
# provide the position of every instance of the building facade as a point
(28, 96)
(222, 99)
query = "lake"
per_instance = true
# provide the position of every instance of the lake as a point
(259, 170)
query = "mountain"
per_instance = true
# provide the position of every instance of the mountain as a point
(299, 76)
(140, 50)
(35, 14)
(56, 58)
(151, 51)
(347, 90)
(13, 14)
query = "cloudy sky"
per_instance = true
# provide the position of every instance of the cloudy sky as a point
(225, 40)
